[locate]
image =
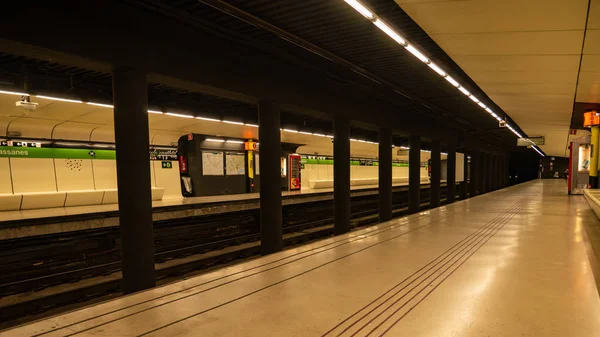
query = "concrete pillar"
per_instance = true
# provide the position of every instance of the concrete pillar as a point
(385, 174)
(269, 122)
(130, 99)
(463, 187)
(436, 172)
(451, 173)
(341, 175)
(483, 173)
(474, 180)
(493, 172)
(414, 174)
(595, 140)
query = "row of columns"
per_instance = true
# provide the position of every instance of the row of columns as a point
(133, 176)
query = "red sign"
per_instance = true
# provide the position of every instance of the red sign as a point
(573, 131)
(190, 136)
(183, 168)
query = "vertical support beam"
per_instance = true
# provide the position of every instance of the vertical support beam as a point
(474, 177)
(451, 173)
(269, 122)
(385, 174)
(464, 185)
(483, 173)
(436, 172)
(493, 172)
(130, 99)
(490, 173)
(414, 174)
(341, 175)
(595, 140)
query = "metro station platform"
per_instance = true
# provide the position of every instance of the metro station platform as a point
(508, 263)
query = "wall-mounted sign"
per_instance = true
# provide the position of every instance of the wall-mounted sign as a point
(591, 118)
(584, 157)
(163, 154)
(294, 172)
(250, 146)
(167, 164)
(539, 140)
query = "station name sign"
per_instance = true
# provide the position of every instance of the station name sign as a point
(591, 118)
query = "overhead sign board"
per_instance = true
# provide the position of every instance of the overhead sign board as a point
(541, 140)
(250, 146)
(591, 118)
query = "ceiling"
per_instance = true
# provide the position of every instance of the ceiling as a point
(69, 121)
(525, 55)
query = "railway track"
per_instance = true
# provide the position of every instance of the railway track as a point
(87, 263)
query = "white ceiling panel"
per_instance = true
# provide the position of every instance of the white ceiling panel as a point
(524, 54)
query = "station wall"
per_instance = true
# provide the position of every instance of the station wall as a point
(56, 182)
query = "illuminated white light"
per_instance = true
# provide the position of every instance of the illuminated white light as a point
(215, 140)
(361, 9)
(405, 147)
(100, 104)
(464, 91)
(498, 119)
(489, 110)
(252, 125)
(319, 135)
(290, 130)
(482, 105)
(362, 141)
(13, 93)
(235, 141)
(155, 112)
(474, 99)
(178, 115)
(305, 133)
(417, 53)
(353, 140)
(232, 122)
(452, 81)
(425, 151)
(329, 136)
(538, 151)
(437, 69)
(59, 99)
(389, 31)
(208, 119)
(444, 153)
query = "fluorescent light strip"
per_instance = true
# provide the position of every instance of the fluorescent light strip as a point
(59, 99)
(538, 151)
(155, 112)
(474, 99)
(361, 9)
(353, 140)
(289, 130)
(13, 93)
(214, 140)
(232, 122)
(178, 115)
(319, 135)
(452, 81)
(305, 133)
(100, 104)
(208, 119)
(390, 32)
(417, 53)
(437, 69)
(396, 37)
(252, 125)
(234, 141)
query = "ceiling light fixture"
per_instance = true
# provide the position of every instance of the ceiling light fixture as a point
(305, 133)
(234, 141)
(208, 119)
(361, 9)
(389, 31)
(252, 125)
(13, 93)
(417, 53)
(178, 115)
(289, 130)
(214, 140)
(437, 69)
(452, 81)
(464, 91)
(59, 99)
(155, 112)
(232, 122)
(100, 104)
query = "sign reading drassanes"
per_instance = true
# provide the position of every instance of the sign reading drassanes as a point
(49, 152)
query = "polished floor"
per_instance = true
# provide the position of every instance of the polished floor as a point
(508, 263)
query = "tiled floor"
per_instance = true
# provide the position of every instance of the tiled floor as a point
(509, 263)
